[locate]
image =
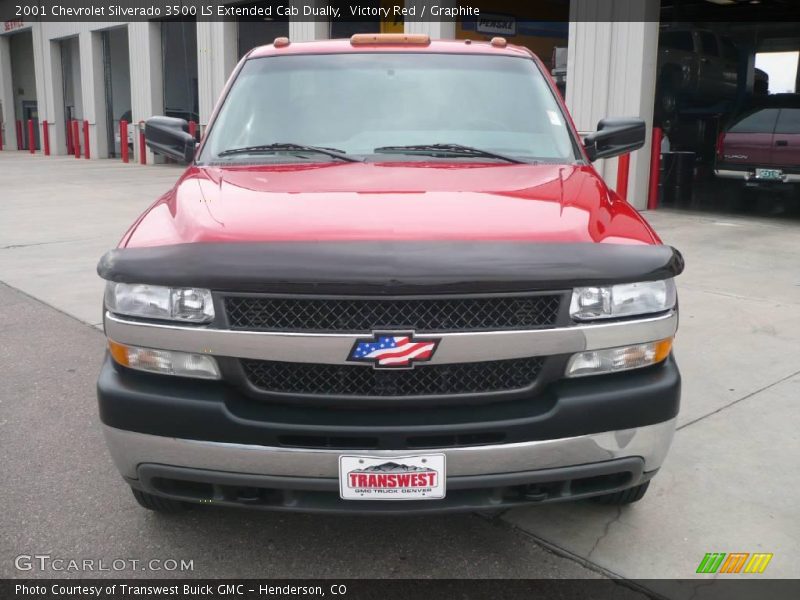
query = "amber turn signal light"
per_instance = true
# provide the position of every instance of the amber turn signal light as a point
(360, 39)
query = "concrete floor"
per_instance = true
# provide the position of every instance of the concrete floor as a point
(731, 479)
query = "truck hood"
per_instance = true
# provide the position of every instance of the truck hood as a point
(411, 201)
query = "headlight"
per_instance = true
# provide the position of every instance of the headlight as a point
(166, 362)
(623, 300)
(157, 302)
(612, 360)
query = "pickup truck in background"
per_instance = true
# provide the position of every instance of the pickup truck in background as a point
(760, 149)
(418, 297)
(696, 66)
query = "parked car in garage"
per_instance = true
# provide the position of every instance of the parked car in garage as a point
(761, 146)
(420, 297)
(694, 65)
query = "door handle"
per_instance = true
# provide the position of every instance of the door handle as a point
(782, 143)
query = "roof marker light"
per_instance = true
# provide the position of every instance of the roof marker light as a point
(281, 42)
(499, 42)
(421, 39)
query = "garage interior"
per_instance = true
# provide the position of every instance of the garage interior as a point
(745, 49)
(726, 39)
(21, 103)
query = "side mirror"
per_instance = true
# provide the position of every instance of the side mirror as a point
(170, 137)
(614, 137)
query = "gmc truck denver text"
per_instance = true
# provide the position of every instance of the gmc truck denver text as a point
(389, 280)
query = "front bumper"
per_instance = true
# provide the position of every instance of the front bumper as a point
(487, 477)
(748, 175)
(193, 441)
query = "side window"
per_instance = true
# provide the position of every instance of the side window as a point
(729, 51)
(762, 121)
(788, 121)
(709, 43)
(677, 40)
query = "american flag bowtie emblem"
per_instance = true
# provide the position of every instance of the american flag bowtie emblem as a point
(388, 351)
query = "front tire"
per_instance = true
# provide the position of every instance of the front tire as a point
(667, 99)
(623, 497)
(157, 503)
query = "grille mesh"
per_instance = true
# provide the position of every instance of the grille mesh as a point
(364, 315)
(424, 380)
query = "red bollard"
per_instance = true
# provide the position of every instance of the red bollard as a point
(46, 138)
(86, 139)
(655, 168)
(123, 140)
(623, 169)
(142, 147)
(20, 141)
(193, 129)
(76, 138)
(31, 137)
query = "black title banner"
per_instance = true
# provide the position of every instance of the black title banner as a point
(392, 589)
(13, 13)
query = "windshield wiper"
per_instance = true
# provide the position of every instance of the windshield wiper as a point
(288, 147)
(446, 149)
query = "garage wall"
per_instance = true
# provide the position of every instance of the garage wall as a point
(216, 47)
(611, 70)
(147, 84)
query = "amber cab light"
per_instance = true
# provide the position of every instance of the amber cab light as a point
(360, 39)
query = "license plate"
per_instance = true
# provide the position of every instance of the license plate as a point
(769, 174)
(420, 477)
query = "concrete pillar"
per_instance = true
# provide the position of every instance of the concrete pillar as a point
(147, 75)
(308, 31)
(7, 95)
(437, 30)
(611, 71)
(51, 102)
(39, 56)
(93, 92)
(216, 58)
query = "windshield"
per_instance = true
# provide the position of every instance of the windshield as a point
(359, 103)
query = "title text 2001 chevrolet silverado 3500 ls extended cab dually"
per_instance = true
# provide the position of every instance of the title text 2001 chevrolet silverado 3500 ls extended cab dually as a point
(389, 280)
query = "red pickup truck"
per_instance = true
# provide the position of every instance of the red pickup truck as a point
(389, 280)
(760, 149)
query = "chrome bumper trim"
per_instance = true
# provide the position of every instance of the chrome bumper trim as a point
(750, 176)
(130, 449)
(334, 348)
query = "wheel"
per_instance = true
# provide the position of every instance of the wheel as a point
(157, 503)
(628, 496)
(667, 99)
